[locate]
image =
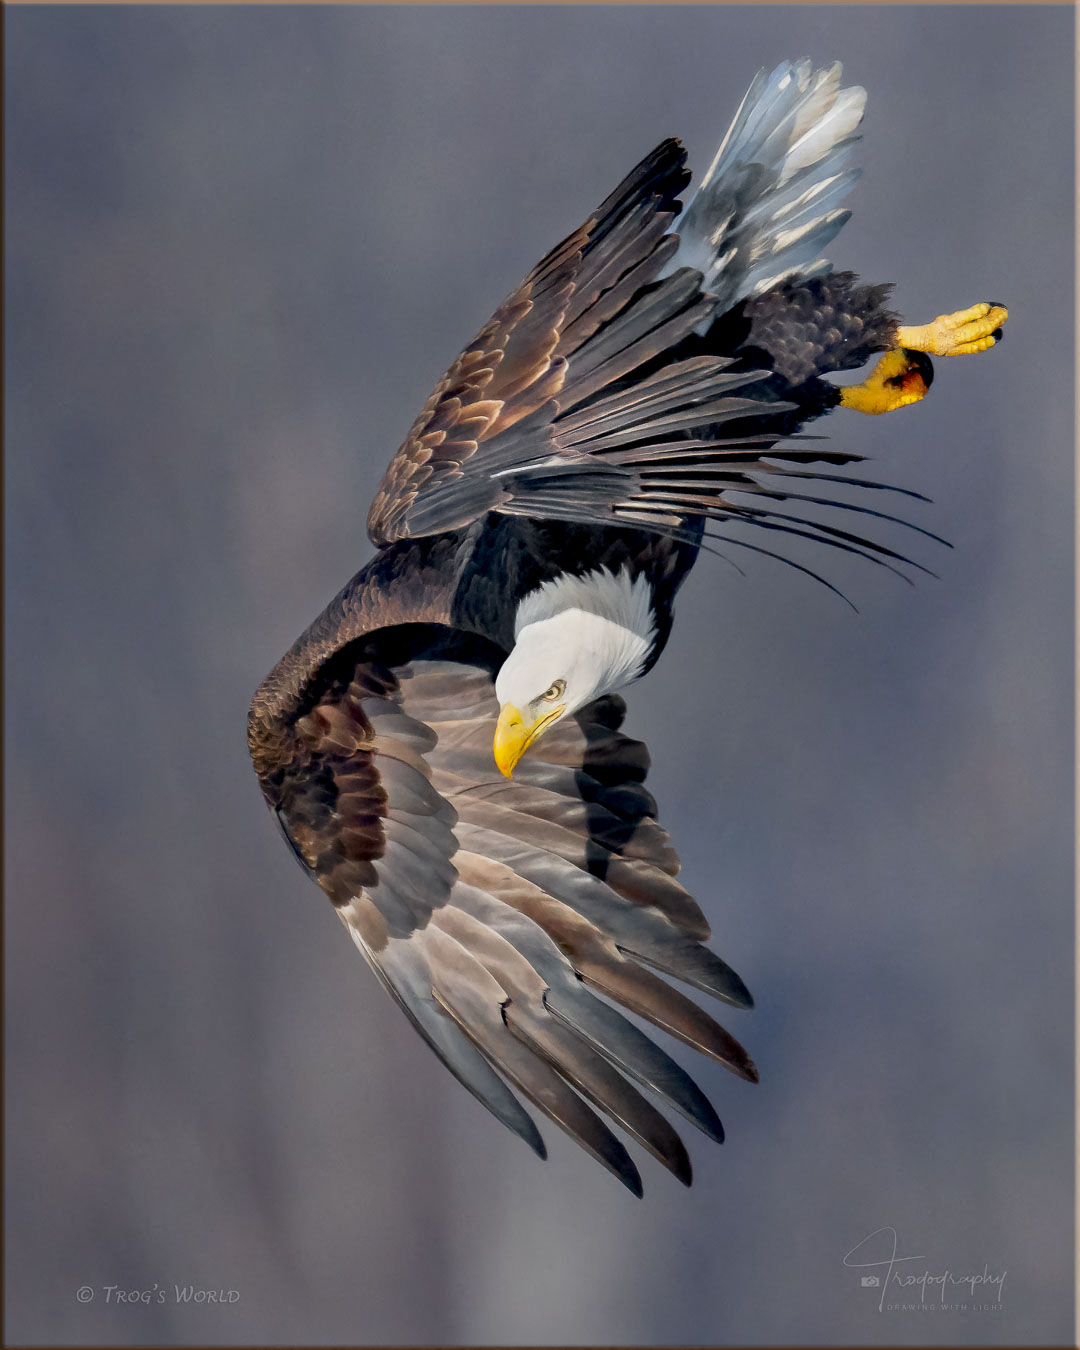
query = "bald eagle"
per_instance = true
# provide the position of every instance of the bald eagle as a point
(443, 747)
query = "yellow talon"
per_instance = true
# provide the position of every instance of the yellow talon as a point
(900, 378)
(961, 334)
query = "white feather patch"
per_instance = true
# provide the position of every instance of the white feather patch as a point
(625, 600)
(773, 184)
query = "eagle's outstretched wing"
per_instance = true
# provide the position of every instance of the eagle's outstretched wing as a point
(489, 908)
(579, 400)
(447, 472)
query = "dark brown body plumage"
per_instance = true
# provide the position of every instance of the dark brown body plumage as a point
(801, 329)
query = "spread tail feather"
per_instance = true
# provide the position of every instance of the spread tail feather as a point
(768, 205)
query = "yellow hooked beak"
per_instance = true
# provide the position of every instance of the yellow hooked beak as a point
(513, 736)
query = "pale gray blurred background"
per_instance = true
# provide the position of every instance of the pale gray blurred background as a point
(242, 245)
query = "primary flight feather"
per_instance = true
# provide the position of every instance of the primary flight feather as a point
(442, 748)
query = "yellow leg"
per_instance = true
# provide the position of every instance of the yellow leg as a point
(902, 376)
(961, 334)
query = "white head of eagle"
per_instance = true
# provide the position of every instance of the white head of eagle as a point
(577, 638)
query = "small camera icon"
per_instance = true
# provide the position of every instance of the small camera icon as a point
(870, 1282)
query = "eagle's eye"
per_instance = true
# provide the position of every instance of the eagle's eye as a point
(555, 691)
